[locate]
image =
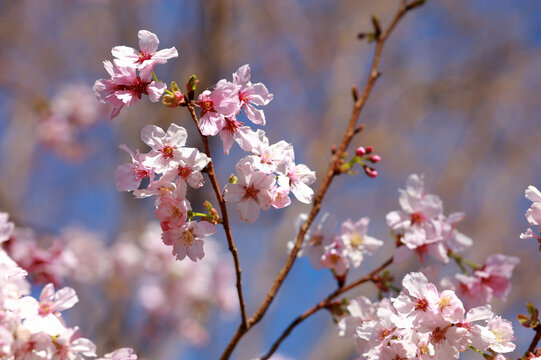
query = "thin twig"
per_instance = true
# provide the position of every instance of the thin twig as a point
(225, 220)
(322, 304)
(535, 340)
(331, 172)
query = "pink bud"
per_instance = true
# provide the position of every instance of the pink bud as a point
(369, 149)
(375, 158)
(370, 171)
(360, 151)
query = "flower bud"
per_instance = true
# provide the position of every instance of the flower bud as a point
(360, 151)
(370, 171)
(374, 158)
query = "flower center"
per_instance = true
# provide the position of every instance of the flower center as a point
(417, 218)
(250, 192)
(438, 336)
(421, 304)
(44, 309)
(184, 172)
(356, 240)
(167, 151)
(244, 96)
(188, 237)
(144, 56)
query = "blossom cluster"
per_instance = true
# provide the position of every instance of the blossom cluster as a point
(264, 178)
(337, 251)
(421, 228)
(139, 261)
(131, 73)
(424, 323)
(492, 279)
(32, 328)
(267, 177)
(169, 167)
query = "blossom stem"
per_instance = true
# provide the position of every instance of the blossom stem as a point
(476, 349)
(225, 220)
(323, 304)
(154, 76)
(460, 260)
(332, 171)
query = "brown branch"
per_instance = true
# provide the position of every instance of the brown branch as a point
(535, 340)
(331, 172)
(225, 220)
(324, 303)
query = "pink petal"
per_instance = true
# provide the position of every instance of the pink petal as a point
(148, 42)
(163, 55)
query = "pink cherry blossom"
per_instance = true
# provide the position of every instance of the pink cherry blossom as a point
(267, 157)
(357, 242)
(299, 178)
(163, 144)
(67, 346)
(280, 197)
(234, 130)
(128, 176)
(251, 94)
(188, 163)
(164, 186)
(252, 192)
(216, 105)
(503, 331)
(187, 240)
(359, 309)
(125, 87)
(147, 56)
(335, 258)
(173, 211)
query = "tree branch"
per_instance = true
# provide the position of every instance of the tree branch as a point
(331, 172)
(535, 340)
(225, 218)
(322, 304)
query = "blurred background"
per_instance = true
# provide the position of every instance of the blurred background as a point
(458, 102)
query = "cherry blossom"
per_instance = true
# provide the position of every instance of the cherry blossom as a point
(163, 144)
(147, 56)
(493, 279)
(125, 87)
(216, 106)
(357, 242)
(251, 94)
(128, 176)
(187, 240)
(188, 163)
(299, 177)
(173, 211)
(234, 130)
(335, 257)
(267, 157)
(252, 191)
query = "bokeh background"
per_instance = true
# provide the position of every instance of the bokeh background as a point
(458, 102)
